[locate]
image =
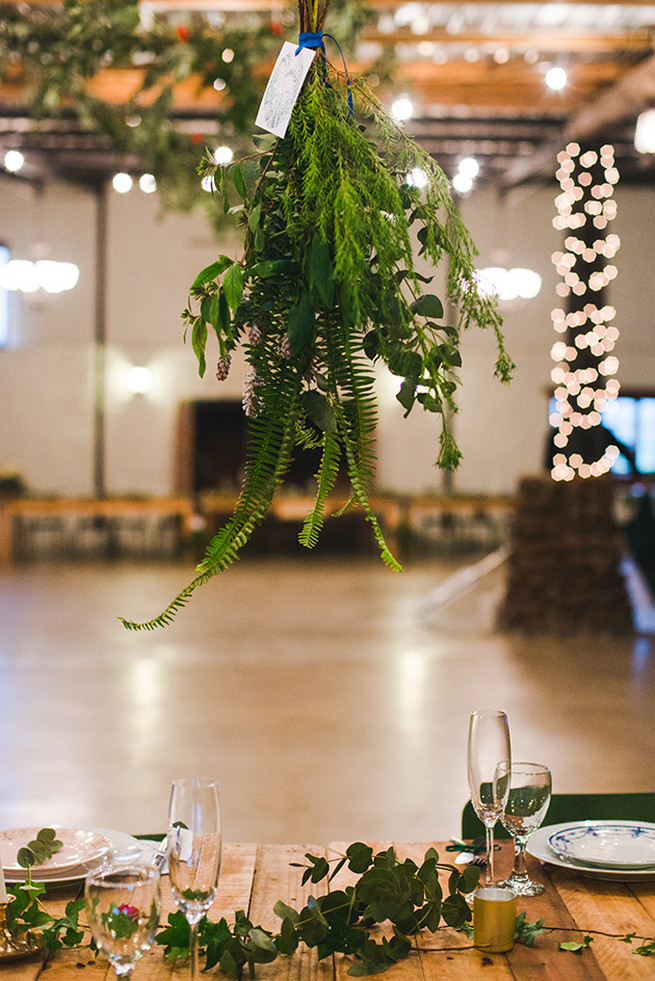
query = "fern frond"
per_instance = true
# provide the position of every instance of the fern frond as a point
(325, 480)
(272, 438)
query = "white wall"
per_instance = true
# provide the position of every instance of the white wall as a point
(46, 376)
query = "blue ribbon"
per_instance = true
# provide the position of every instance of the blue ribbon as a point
(309, 39)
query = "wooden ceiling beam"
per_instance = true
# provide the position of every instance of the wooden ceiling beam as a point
(633, 91)
(568, 41)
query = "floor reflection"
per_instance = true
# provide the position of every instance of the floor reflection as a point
(330, 698)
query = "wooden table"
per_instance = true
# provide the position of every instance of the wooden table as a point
(254, 877)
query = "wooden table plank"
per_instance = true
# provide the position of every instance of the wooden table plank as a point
(276, 878)
(611, 907)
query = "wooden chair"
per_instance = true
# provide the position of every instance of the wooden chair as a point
(576, 807)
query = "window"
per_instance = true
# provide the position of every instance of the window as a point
(631, 419)
(4, 300)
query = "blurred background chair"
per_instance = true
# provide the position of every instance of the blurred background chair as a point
(576, 807)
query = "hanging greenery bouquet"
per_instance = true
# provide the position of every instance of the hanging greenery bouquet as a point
(326, 288)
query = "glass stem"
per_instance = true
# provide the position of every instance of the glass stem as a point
(520, 869)
(489, 877)
(193, 948)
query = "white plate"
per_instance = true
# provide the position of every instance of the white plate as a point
(539, 848)
(608, 844)
(80, 846)
(123, 848)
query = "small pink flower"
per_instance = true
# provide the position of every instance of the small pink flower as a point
(131, 911)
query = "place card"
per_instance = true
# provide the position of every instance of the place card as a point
(283, 88)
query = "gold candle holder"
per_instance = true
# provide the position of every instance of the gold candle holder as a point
(11, 948)
(494, 916)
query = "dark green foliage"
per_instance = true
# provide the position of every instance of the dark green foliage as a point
(405, 897)
(325, 292)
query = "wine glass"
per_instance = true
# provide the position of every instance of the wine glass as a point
(123, 907)
(194, 851)
(488, 744)
(528, 788)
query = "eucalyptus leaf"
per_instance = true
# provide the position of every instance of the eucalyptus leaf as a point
(403, 361)
(428, 305)
(25, 858)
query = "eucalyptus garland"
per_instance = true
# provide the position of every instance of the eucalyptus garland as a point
(400, 898)
(327, 287)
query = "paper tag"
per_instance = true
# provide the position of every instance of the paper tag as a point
(283, 88)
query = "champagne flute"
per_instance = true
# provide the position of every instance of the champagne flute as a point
(488, 744)
(123, 907)
(194, 851)
(528, 790)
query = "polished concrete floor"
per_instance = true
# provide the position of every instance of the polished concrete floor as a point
(329, 697)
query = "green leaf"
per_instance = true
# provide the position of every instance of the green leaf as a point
(455, 910)
(428, 305)
(265, 141)
(407, 394)
(574, 945)
(255, 217)
(403, 361)
(321, 272)
(300, 325)
(233, 285)
(384, 892)
(318, 410)
(25, 858)
(371, 344)
(645, 949)
(210, 272)
(359, 857)
(271, 267)
(288, 938)
(239, 181)
(526, 931)
(229, 965)
(262, 940)
(223, 317)
(469, 879)
(198, 343)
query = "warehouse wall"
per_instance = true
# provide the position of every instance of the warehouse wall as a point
(47, 371)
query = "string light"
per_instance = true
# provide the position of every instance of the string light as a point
(585, 367)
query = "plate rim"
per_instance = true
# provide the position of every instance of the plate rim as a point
(537, 847)
(52, 865)
(117, 839)
(600, 825)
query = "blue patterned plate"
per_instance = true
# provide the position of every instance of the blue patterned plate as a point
(607, 844)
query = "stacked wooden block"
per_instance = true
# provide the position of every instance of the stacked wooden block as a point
(563, 574)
